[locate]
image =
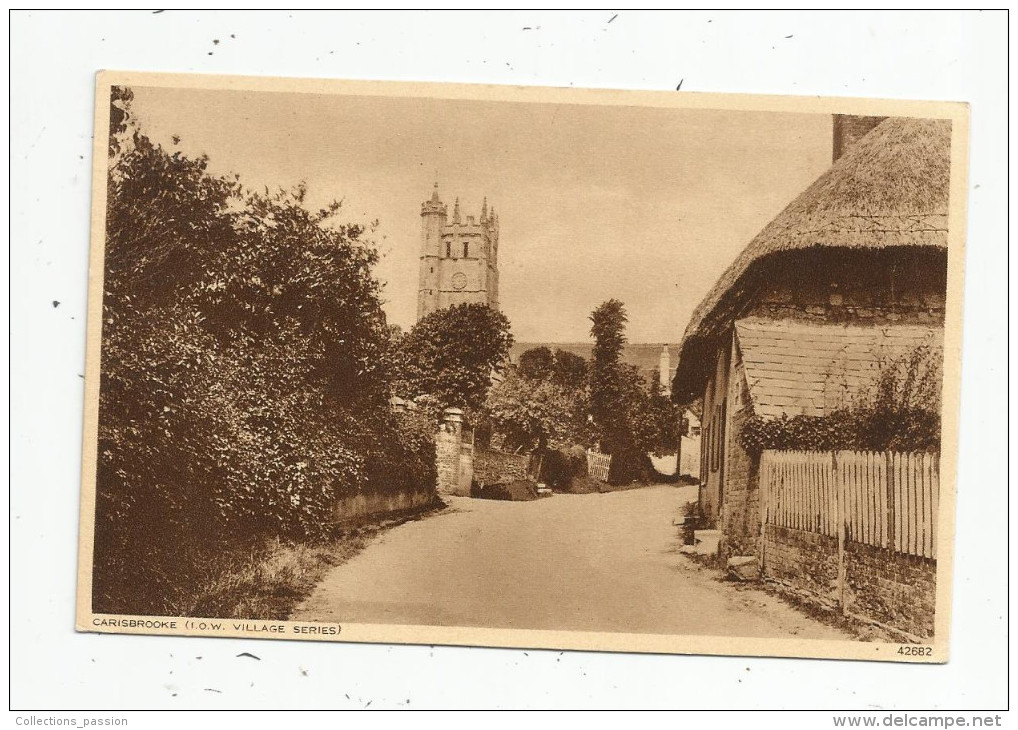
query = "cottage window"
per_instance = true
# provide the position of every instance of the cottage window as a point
(711, 446)
(704, 452)
(715, 462)
(710, 441)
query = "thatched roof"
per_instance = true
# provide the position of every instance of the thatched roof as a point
(889, 190)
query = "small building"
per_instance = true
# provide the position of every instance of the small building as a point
(691, 423)
(688, 461)
(849, 277)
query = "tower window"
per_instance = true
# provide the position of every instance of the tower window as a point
(466, 249)
(448, 250)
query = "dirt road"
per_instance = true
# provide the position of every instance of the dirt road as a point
(594, 562)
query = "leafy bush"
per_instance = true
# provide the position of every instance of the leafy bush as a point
(411, 463)
(521, 490)
(559, 467)
(805, 433)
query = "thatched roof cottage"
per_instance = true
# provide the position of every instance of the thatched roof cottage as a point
(852, 274)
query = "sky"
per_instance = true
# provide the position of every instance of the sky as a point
(645, 205)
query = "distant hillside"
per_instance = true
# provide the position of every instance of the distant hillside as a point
(643, 355)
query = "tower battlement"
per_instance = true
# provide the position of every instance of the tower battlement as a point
(458, 259)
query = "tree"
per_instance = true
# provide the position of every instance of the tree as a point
(627, 419)
(537, 363)
(562, 367)
(451, 354)
(667, 419)
(120, 104)
(608, 330)
(540, 403)
(570, 369)
(535, 414)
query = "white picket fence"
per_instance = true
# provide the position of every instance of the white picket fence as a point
(598, 464)
(889, 500)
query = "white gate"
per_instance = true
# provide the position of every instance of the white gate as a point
(598, 464)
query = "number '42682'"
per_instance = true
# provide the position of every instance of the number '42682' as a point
(915, 650)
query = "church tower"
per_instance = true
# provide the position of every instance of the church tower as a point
(459, 258)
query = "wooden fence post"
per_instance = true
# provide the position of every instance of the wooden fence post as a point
(765, 485)
(839, 490)
(891, 534)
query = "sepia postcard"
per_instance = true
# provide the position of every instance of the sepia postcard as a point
(523, 367)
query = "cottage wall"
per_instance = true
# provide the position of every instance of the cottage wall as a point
(712, 439)
(740, 512)
(851, 287)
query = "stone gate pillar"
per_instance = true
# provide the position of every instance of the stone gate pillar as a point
(454, 458)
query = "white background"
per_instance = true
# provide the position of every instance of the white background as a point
(54, 56)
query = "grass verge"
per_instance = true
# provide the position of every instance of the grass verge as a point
(268, 579)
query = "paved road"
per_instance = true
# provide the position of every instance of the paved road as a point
(593, 562)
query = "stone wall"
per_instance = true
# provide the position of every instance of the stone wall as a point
(364, 506)
(900, 590)
(808, 561)
(499, 467)
(453, 455)
(447, 458)
(896, 590)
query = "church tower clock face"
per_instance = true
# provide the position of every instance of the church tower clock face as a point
(459, 280)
